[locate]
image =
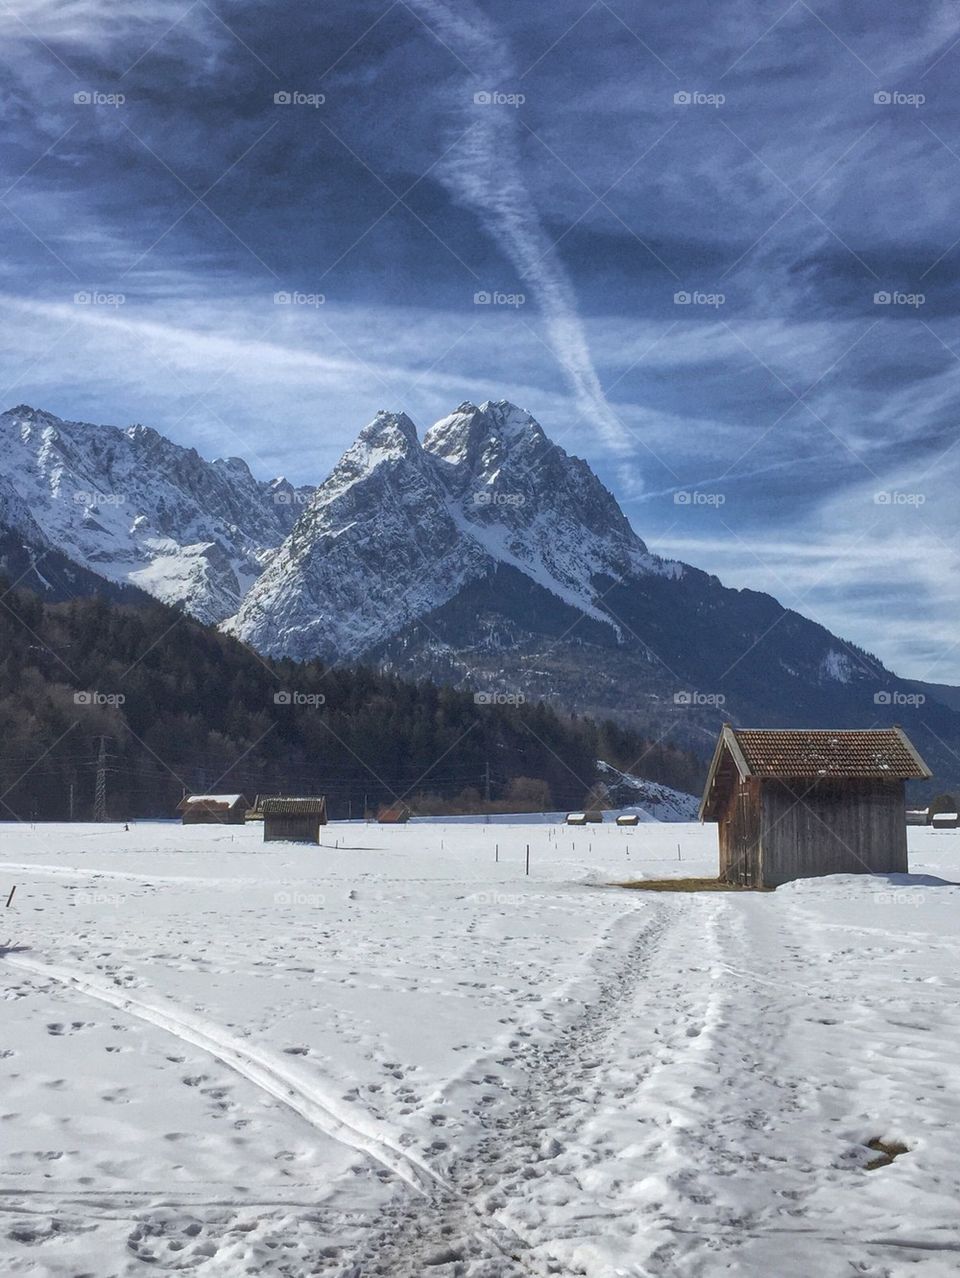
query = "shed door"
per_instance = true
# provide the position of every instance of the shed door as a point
(748, 837)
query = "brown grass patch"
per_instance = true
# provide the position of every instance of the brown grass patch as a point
(887, 1150)
(686, 885)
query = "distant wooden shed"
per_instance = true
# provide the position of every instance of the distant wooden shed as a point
(628, 818)
(293, 820)
(212, 809)
(394, 814)
(591, 817)
(945, 820)
(794, 803)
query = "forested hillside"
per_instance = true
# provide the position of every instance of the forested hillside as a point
(157, 703)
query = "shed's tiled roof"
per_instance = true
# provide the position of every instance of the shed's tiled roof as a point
(818, 752)
(294, 807)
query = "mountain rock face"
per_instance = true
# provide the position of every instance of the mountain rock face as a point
(483, 555)
(401, 528)
(139, 510)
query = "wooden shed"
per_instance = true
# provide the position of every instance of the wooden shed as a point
(293, 820)
(213, 809)
(628, 818)
(794, 803)
(394, 814)
(945, 820)
(591, 817)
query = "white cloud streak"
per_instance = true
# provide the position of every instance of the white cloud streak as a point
(485, 172)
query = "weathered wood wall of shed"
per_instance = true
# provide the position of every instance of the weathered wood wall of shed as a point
(291, 829)
(197, 815)
(832, 827)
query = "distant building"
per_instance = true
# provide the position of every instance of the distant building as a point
(918, 816)
(213, 809)
(945, 820)
(628, 818)
(793, 803)
(293, 820)
(394, 814)
(592, 817)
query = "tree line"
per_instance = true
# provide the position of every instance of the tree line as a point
(143, 704)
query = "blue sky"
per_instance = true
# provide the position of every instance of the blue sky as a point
(787, 167)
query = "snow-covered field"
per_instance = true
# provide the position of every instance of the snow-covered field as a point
(401, 1056)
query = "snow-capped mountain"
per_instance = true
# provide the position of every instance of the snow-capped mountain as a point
(400, 528)
(482, 555)
(141, 511)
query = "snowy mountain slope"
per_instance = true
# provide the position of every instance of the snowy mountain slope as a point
(140, 510)
(652, 800)
(483, 555)
(377, 547)
(400, 527)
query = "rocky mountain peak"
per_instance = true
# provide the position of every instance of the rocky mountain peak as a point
(390, 431)
(470, 433)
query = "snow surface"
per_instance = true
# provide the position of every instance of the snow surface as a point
(398, 1055)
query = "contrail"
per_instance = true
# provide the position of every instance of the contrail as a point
(486, 173)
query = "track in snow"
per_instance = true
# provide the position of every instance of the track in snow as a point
(440, 1228)
(256, 1064)
(448, 1234)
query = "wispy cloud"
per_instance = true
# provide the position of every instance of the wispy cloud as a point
(486, 172)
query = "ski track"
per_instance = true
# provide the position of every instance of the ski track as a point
(438, 1225)
(258, 1065)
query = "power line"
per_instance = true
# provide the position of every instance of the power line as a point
(100, 797)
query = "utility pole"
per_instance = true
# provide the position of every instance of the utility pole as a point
(100, 796)
(71, 800)
(486, 781)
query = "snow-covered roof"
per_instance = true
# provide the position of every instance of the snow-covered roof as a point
(214, 798)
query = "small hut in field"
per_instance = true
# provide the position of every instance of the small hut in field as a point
(394, 814)
(213, 809)
(945, 820)
(794, 803)
(591, 817)
(293, 820)
(628, 818)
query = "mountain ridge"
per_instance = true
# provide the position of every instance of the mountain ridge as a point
(482, 555)
(139, 510)
(439, 512)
